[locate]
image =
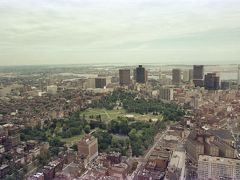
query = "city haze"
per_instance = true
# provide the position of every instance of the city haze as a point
(101, 31)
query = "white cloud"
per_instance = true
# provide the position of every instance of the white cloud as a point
(101, 30)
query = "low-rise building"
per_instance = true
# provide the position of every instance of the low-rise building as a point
(4, 170)
(176, 166)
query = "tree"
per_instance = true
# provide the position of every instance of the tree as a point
(43, 159)
(75, 147)
(10, 178)
(87, 129)
(8, 157)
(54, 151)
(123, 127)
(55, 142)
(104, 139)
(25, 169)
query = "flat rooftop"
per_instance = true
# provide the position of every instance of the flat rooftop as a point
(219, 160)
(178, 159)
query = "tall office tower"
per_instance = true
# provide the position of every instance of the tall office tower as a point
(211, 167)
(146, 75)
(134, 74)
(124, 77)
(211, 81)
(166, 94)
(176, 76)
(141, 75)
(198, 72)
(100, 82)
(186, 76)
(190, 74)
(88, 147)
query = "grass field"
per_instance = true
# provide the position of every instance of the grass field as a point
(108, 115)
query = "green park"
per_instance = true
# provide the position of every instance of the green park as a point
(119, 120)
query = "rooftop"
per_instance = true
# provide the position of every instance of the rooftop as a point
(221, 133)
(178, 159)
(220, 160)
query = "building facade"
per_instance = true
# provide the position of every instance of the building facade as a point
(211, 167)
(198, 73)
(166, 94)
(176, 76)
(186, 76)
(52, 89)
(225, 85)
(176, 166)
(124, 77)
(88, 147)
(100, 82)
(141, 74)
(211, 81)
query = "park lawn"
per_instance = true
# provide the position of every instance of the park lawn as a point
(115, 113)
(105, 114)
(72, 140)
(118, 136)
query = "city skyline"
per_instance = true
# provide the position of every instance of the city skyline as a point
(119, 89)
(100, 31)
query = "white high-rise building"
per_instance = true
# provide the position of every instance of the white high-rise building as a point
(210, 167)
(190, 75)
(186, 76)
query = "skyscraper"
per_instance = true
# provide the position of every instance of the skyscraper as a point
(176, 76)
(100, 82)
(211, 81)
(141, 74)
(190, 75)
(186, 76)
(198, 72)
(124, 77)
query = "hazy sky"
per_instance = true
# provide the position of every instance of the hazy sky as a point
(119, 31)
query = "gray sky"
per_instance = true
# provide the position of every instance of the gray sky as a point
(119, 31)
